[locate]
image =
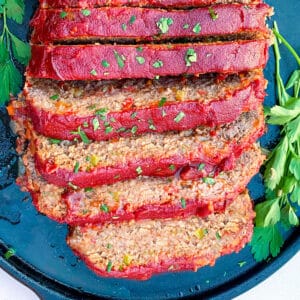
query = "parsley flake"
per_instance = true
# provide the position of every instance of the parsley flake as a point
(164, 23)
(190, 57)
(140, 59)
(179, 117)
(158, 64)
(86, 12)
(197, 28)
(120, 59)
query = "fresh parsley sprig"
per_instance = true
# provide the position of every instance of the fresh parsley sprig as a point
(12, 49)
(282, 172)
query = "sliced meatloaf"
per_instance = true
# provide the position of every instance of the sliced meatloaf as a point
(139, 3)
(104, 61)
(145, 24)
(57, 109)
(83, 164)
(143, 197)
(139, 249)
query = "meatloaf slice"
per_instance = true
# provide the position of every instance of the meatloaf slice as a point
(139, 3)
(85, 165)
(104, 61)
(143, 197)
(139, 249)
(146, 24)
(57, 109)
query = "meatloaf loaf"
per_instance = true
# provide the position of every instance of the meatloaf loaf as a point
(145, 24)
(85, 165)
(143, 197)
(105, 61)
(57, 108)
(139, 3)
(138, 249)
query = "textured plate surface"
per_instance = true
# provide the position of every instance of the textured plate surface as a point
(45, 263)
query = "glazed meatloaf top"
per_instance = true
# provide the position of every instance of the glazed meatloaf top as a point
(108, 110)
(89, 164)
(143, 197)
(123, 24)
(138, 249)
(106, 61)
(139, 3)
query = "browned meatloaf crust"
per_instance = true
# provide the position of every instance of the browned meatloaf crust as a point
(90, 164)
(58, 108)
(87, 62)
(143, 197)
(138, 249)
(139, 3)
(145, 24)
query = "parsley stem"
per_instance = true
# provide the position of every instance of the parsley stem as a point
(287, 44)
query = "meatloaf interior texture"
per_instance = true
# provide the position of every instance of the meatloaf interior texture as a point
(92, 164)
(137, 249)
(139, 3)
(144, 24)
(143, 197)
(69, 62)
(57, 109)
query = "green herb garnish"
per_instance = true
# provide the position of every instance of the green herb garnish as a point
(163, 24)
(282, 168)
(94, 72)
(190, 57)
(197, 28)
(86, 12)
(214, 16)
(82, 135)
(54, 97)
(109, 266)
(96, 124)
(183, 203)
(162, 101)
(54, 141)
(172, 167)
(104, 208)
(201, 167)
(63, 14)
(12, 49)
(134, 129)
(139, 170)
(179, 117)
(105, 63)
(158, 64)
(208, 180)
(76, 167)
(132, 19)
(140, 59)
(9, 253)
(120, 59)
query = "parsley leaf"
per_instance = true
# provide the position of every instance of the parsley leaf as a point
(282, 172)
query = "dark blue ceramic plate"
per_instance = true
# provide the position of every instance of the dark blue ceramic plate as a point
(45, 263)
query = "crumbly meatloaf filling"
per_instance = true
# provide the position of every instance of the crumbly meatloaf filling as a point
(116, 248)
(87, 157)
(136, 194)
(94, 97)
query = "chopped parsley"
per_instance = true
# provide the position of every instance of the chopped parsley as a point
(96, 124)
(214, 16)
(140, 59)
(164, 23)
(76, 167)
(63, 14)
(139, 170)
(197, 28)
(105, 63)
(104, 208)
(190, 57)
(201, 167)
(179, 117)
(86, 12)
(109, 266)
(172, 167)
(134, 129)
(132, 19)
(120, 59)
(124, 27)
(54, 97)
(158, 64)
(208, 180)
(9, 253)
(54, 141)
(183, 203)
(162, 101)
(94, 72)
